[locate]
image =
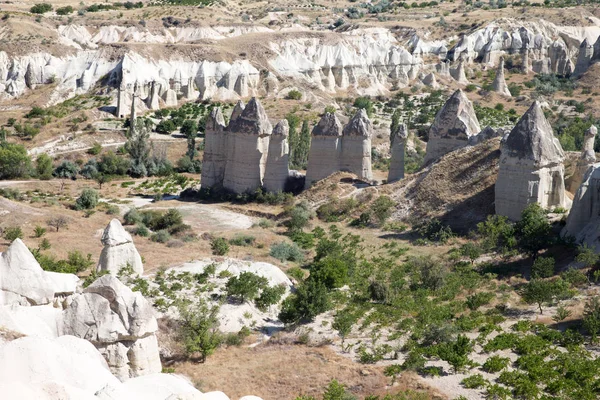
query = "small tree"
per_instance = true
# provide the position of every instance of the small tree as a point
(539, 291)
(299, 216)
(543, 267)
(43, 167)
(219, 246)
(58, 222)
(382, 208)
(342, 323)
(139, 147)
(245, 286)
(87, 200)
(13, 233)
(190, 130)
(335, 391)
(456, 353)
(38, 231)
(199, 330)
(534, 230)
(269, 296)
(101, 179)
(311, 299)
(587, 256)
(591, 317)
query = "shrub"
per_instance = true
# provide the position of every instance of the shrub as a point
(311, 299)
(66, 170)
(14, 161)
(38, 231)
(382, 208)
(12, 233)
(591, 317)
(241, 239)
(219, 246)
(166, 126)
(364, 103)
(141, 230)
(294, 95)
(543, 267)
(474, 382)
(199, 330)
(245, 286)
(132, 217)
(40, 8)
(495, 364)
(284, 251)
(43, 167)
(95, 149)
(87, 200)
(299, 216)
(479, 299)
(162, 236)
(58, 222)
(64, 10)
(269, 296)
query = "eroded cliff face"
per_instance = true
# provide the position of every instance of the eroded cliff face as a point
(367, 60)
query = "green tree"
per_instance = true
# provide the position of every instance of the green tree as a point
(66, 170)
(269, 296)
(364, 103)
(311, 299)
(456, 353)
(12, 233)
(39, 231)
(14, 161)
(534, 230)
(396, 117)
(300, 215)
(166, 126)
(199, 330)
(299, 158)
(543, 267)
(336, 391)
(219, 246)
(40, 8)
(591, 317)
(587, 256)
(101, 179)
(43, 167)
(342, 323)
(539, 291)
(245, 286)
(293, 138)
(138, 147)
(87, 200)
(382, 208)
(189, 129)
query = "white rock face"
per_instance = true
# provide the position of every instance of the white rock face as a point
(454, 124)
(531, 167)
(458, 74)
(119, 250)
(120, 323)
(23, 281)
(248, 142)
(277, 166)
(356, 146)
(584, 58)
(216, 148)
(396, 171)
(429, 80)
(499, 84)
(324, 156)
(586, 160)
(170, 98)
(582, 222)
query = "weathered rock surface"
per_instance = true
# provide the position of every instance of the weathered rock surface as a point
(119, 250)
(586, 159)
(276, 168)
(216, 148)
(356, 146)
(398, 148)
(458, 74)
(248, 142)
(499, 84)
(120, 323)
(531, 167)
(429, 80)
(454, 124)
(583, 221)
(325, 149)
(486, 134)
(24, 282)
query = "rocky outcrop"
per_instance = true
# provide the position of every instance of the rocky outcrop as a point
(248, 147)
(583, 222)
(120, 323)
(398, 148)
(24, 282)
(499, 85)
(584, 58)
(454, 124)
(238, 109)
(277, 166)
(356, 146)
(586, 159)
(458, 74)
(486, 134)
(170, 98)
(152, 100)
(216, 147)
(119, 251)
(325, 149)
(429, 80)
(189, 90)
(531, 167)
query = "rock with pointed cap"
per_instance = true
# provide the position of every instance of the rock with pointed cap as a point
(153, 96)
(499, 84)
(238, 109)
(24, 282)
(458, 74)
(429, 80)
(531, 167)
(584, 58)
(356, 146)
(583, 222)
(248, 143)
(397, 150)
(454, 124)
(324, 156)
(216, 147)
(119, 250)
(586, 159)
(170, 98)
(277, 168)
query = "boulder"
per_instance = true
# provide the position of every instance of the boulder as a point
(454, 124)
(499, 85)
(248, 143)
(356, 146)
(119, 322)
(215, 150)
(486, 134)
(325, 149)
(398, 148)
(119, 250)
(277, 168)
(23, 281)
(531, 167)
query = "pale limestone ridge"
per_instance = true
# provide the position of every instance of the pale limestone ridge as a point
(398, 148)
(531, 167)
(499, 84)
(120, 323)
(248, 144)
(118, 251)
(277, 167)
(454, 124)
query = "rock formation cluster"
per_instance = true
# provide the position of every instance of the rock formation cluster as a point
(119, 251)
(531, 167)
(398, 148)
(335, 148)
(454, 124)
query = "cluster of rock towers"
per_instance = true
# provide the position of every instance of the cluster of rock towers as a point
(250, 153)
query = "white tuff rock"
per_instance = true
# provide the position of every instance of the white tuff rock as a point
(325, 149)
(277, 169)
(215, 150)
(119, 250)
(356, 146)
(499, 84)
(396, 171)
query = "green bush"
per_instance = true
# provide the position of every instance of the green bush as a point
(474, 382)
(219, 246)
(495, 364)
(479, 299)
(543, 267)
(294, 95)
(269, 296)
(382, 208)
(40, 8)
(243, 240)
(64, 10)
(199, 330)
(132, 217)
(14, 161)
(245, 286)
(87, 200)
(311, 299)
(166, 127)
(284, 251)
(43, 167)
(12, 233)
(162, 236)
